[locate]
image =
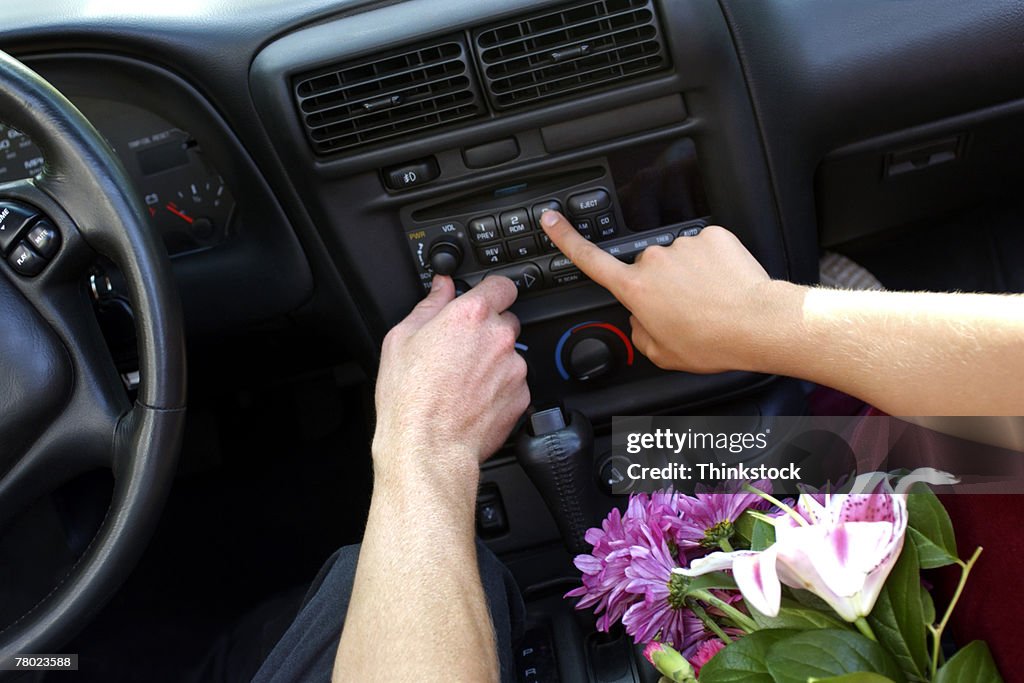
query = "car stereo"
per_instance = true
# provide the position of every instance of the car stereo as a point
(497, 231)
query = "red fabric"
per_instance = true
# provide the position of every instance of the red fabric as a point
(990, 607)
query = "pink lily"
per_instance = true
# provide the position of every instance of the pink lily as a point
(842, 551)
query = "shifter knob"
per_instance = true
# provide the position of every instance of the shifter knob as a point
(445, 257)
(557, 452)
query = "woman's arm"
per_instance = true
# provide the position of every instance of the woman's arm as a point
(704, 304)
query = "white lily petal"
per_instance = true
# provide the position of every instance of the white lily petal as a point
(927, 475)
(758, 580)
(715, 562)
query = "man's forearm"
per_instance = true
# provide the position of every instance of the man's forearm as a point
(418, 611)
(908, 354)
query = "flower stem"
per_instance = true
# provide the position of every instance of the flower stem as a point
(936, 631)
(725, 545)
(864, 627)
(777, 503)
(708, 622)
(741, 620)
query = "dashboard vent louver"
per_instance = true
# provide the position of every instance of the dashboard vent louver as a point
(387, 96)
(553, 53)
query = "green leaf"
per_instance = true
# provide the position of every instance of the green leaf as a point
(762, 536)
(928, 605)
(793, 615)
(898, 618)
(809, 599)
(744, 527)
(743, 660)
(859, 677)
(972, 664)
(828, 653)
(930, 528)
(716, 580)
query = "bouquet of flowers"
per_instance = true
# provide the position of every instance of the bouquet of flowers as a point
(738, 585)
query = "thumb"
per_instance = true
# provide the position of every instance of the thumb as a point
(442, 292)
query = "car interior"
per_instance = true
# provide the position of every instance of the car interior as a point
(293, 172)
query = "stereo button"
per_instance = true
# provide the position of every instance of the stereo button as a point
(515, 222)
(589, 202)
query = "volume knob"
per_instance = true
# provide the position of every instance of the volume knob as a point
(445, 257)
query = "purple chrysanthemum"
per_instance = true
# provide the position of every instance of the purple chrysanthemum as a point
(709, 519)
(604, 570)
(662, 613)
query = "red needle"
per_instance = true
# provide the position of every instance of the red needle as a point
(179, 213)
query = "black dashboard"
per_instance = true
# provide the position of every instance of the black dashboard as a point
(318, 160)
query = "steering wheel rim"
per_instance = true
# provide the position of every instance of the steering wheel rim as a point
(83, 418)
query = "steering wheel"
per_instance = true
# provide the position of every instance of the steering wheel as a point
(63, 407)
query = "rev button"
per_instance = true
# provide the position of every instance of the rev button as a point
(14, 218)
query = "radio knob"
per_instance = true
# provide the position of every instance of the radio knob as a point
(445, 257)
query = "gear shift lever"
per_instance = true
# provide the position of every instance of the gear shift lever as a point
(557, 452)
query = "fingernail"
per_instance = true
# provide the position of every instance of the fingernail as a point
(548, 218)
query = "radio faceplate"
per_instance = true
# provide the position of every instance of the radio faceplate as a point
(497, 232)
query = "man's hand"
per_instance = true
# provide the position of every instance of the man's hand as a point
(695, 304)
(451, 385)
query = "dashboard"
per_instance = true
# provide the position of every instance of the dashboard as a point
(188, 201)
(315, 161)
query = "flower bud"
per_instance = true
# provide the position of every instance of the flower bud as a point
(672, 665)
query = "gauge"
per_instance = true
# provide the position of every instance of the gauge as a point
(19, 158)
(187, 199)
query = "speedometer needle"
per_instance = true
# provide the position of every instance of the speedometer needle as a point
(179, 213)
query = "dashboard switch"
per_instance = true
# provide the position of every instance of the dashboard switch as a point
(526, 276)
(483, 229)
(493, 254)
(14, 218)
(44, 239)
(445, 257)
(26, 261)
(590, 358)
(515, 222)
(540, 209)
(524, 247)
(589, 202)
(411, 175)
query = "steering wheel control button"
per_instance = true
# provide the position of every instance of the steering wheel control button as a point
(606, 225)
(411, 175)
(561, 263)
(525, 276)
(492, 255)
(524, 247)
(25, 261)
(540, 209)
(589, 202)
(14, 218)
(483, 229)
(515, 223)
(44, 239)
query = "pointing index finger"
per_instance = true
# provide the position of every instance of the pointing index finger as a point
(600, 266)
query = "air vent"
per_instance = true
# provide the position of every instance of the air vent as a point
(583, 46)
(387, 96)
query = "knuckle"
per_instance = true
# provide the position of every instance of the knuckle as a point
(474, 308)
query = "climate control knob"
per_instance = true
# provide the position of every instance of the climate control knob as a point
(590, 358)
(445, 257)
